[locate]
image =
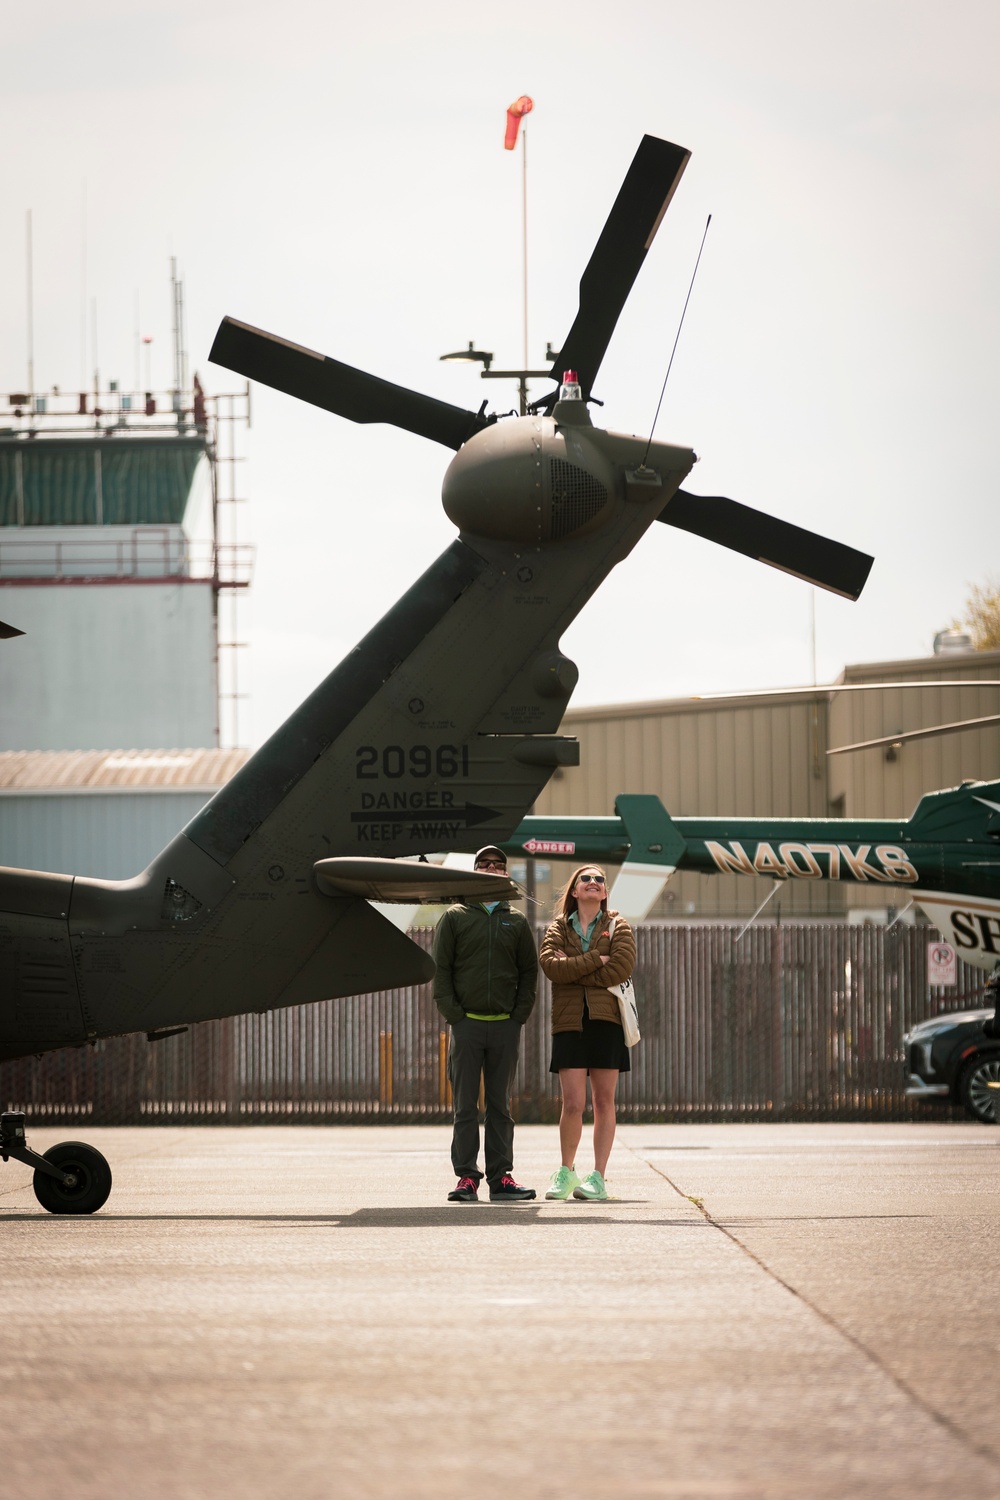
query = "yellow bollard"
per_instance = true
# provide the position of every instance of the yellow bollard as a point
(444, 1082)
(385, 1068)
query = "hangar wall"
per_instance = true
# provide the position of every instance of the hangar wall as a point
(875, 783)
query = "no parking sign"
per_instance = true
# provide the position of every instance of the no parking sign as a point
(942, 964)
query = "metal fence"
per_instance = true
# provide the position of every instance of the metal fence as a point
(793, 1022)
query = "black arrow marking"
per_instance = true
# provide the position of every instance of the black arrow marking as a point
(470, 815)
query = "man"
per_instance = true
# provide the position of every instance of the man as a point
(487, 970)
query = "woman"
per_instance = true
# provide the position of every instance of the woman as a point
(581, 956)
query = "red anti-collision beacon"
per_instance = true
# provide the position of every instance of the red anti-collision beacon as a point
(570, 388)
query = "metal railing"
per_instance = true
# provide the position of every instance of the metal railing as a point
(110, 409)
(791, 1023)
(148, 552)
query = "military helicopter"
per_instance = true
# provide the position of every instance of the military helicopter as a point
(436, 733)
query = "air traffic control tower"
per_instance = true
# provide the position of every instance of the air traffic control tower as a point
(117, 561)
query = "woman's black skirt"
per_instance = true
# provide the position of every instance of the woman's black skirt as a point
(601, 1044)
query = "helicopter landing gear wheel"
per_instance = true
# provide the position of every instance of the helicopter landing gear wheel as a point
(89, 1185)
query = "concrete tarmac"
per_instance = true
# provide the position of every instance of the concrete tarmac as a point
(766, 1311)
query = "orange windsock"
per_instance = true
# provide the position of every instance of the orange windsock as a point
(522, 106)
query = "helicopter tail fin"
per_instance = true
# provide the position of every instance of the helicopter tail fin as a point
(656, 845)
(969, 813)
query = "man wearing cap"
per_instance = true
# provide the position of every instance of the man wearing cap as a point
(484, 987)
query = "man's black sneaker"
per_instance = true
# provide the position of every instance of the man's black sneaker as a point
(466, 1192)
(509, 1191)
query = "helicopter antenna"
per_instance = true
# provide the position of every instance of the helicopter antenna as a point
(673, 351)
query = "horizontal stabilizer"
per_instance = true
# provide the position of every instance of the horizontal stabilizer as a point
(337, 387)
(410, 880)
(791, 549)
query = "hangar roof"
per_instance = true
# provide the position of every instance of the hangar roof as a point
(26, 772)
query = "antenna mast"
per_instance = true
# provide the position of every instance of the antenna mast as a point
(673, 351)
(31, 315)
(180, 353)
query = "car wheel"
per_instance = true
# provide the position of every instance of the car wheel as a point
(979, 1099)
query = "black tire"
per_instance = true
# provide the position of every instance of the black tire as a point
(978, 1099)
(91, 1187)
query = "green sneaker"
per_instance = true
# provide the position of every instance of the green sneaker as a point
(592, 1189)
(564, 1182)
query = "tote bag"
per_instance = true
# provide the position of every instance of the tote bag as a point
(624, 993)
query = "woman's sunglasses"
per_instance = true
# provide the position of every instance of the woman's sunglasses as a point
(588, 879)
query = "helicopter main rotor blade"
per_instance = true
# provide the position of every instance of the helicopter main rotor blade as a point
(339, 388)
(853, 687)
(619, 253)
(921, 734)
(791, 549)
(8, 632)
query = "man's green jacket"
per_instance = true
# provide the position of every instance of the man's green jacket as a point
(486, 963)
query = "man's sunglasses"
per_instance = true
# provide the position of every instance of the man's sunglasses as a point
(592, 879)
(490, 864)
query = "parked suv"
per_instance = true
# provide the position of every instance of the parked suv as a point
(949, 1059)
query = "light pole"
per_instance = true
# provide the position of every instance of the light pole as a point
(472, 355)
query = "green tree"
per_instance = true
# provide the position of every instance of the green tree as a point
(982, 615)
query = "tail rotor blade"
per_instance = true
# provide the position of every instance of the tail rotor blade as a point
(339, 388)
(792, 549)
(645, 195)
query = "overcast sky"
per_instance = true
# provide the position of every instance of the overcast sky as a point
(336, 175)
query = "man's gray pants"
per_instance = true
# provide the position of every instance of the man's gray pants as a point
(487, 1050)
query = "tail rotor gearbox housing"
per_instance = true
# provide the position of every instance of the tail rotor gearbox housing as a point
(537, 480)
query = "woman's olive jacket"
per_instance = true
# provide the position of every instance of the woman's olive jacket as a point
(582, 974)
